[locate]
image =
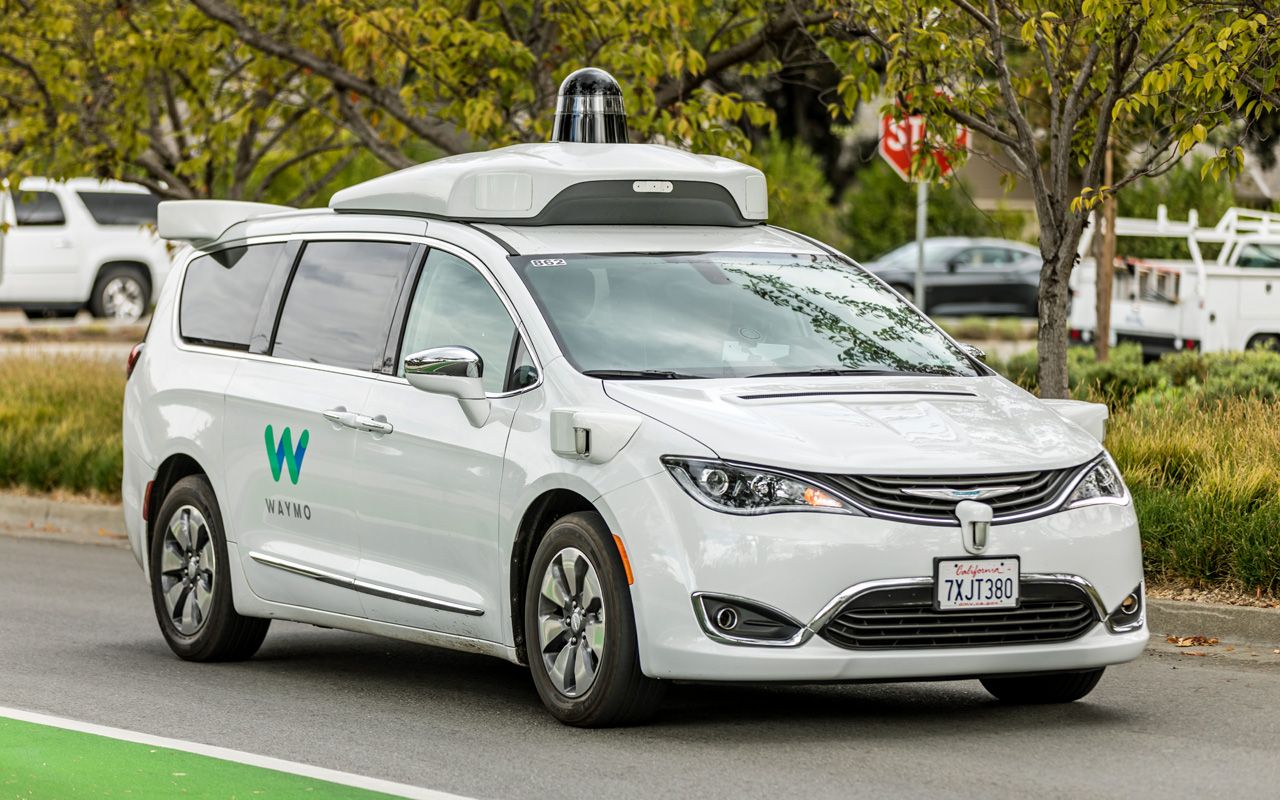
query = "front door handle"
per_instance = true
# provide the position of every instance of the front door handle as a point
(378, 424)
(340, 416)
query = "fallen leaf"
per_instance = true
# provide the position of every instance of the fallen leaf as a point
(1191, 641)
(1194, 653)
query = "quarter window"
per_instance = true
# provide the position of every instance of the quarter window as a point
(120, 208)
(340, 303)
(454, 305)
(223, 292)
(38, 208)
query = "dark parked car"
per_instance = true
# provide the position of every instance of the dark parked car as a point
(967, 276)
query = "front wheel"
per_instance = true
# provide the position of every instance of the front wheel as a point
(1051, 687)
(191, 579)
(580, 633)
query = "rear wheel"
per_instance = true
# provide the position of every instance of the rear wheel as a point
(191, 579)
(122, 293)
(1051, 687)
(580, 634)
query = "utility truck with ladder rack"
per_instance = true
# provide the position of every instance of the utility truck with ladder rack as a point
(1223, 295)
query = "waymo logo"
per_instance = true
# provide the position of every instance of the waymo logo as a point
(283, 454)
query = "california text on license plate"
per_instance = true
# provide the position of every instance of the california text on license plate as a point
(975, 583)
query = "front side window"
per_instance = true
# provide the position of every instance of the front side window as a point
(120, 208)
(340, 303)
(38, 208)
(726, 314)
(222, 293)
(454, 305)
(1259, 255)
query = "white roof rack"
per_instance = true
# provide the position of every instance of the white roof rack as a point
(203, 221)
(570, 183)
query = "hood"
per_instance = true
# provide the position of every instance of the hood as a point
(905, 425)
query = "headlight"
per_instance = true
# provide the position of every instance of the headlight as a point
(1101, 484)
(745, 490)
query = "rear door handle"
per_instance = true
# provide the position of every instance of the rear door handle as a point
(340, 416)
(378, 424)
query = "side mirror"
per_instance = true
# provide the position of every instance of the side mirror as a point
(974, 352)
(454, 371)
(952, 264)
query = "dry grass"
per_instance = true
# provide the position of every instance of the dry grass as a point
(60, 425)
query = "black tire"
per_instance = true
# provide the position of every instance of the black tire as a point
(1264, 341)
(34, 313)
(223, 635)
(620, 693)
(131, 276)
(1051, 687)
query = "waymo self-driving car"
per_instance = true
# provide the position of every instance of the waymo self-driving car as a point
(578, 406)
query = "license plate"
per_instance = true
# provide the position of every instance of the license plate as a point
(975, 583)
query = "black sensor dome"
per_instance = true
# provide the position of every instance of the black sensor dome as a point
(589, 109)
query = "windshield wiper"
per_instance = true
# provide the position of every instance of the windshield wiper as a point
(830, 371)
(641, 374)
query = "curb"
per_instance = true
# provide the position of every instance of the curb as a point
(27, 517)
(1239, 624)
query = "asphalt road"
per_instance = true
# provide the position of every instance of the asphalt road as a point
(78, 639)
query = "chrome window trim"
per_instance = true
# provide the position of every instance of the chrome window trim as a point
(835, 604)
(367, 236)
(362, 586)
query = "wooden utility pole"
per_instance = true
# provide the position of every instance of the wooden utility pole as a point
(1105, 262)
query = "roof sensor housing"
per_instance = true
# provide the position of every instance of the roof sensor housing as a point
(589, 109)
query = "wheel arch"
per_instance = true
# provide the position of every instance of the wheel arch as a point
(538, 517)
(171, 470)
(139, 265)
(1263, 338)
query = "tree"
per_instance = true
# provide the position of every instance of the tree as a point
(1048, 81)
(158, 94)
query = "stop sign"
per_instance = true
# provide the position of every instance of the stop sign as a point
(900, 140)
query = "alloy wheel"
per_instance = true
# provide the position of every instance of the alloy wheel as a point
(122, 298)
(571, 622)
(187, 565)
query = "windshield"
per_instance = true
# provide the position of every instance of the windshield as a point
(730, 314)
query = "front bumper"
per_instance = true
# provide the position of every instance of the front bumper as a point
(803, 563)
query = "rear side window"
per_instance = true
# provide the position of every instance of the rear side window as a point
(38, 208)
(222, 293)
(120, 208)
(340, 303)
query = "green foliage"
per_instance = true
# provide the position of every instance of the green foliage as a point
(1181, 190)
(60, 425)
(799, 194)
(879, 213)
(1124, 380)
(281, 101)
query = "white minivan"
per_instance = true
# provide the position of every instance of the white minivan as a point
(80, 244)
(576, 405)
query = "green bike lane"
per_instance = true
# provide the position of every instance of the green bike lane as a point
(51, 758)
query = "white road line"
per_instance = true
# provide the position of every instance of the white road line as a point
(238, 756)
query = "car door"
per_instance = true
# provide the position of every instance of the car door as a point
(292, 424)
(428, 509)
(41, 255)
(979, 278)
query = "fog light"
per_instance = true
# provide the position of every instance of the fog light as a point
(734, 620)
(1128, 615)
(726, 618)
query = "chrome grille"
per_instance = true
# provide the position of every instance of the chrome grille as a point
(905, 618)
(883, 495)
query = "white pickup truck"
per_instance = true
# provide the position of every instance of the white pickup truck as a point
(82, 243)
(1224, 296)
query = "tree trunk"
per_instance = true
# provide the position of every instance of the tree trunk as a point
(1104, 264)
(1051, 339)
